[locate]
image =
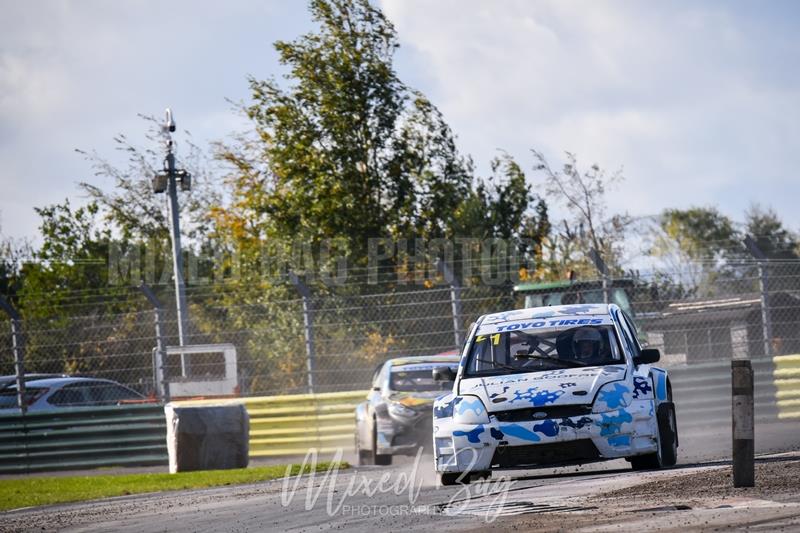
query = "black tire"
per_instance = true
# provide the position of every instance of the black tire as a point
(668, 433)
(362, 456)
(377, 458)
(482, 475)
(448, 479)
(667, 454)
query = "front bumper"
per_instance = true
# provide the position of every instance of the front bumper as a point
(476, 447)
(404, 437)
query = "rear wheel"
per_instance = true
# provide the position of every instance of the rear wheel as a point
(378, 458)
(667, 451)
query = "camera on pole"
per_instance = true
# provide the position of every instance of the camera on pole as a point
(167, 181)
(160, 182)
(181, 176)
(185, 179)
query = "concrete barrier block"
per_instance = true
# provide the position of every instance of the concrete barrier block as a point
(207, 437)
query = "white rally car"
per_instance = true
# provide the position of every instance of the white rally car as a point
(555, 385)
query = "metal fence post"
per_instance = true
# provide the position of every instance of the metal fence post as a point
(160, 351)
(19, 355)
(601, 267)
(765, 313)
(763, 286)
(455, 301)
(743, 430)
(308, 327)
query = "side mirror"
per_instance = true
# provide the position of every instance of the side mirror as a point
(648, 356)
(443, 373)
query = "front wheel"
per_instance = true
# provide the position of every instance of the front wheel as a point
(667, 451)
(452, 478)
(449, 479)
(378, 458)
(362, 456)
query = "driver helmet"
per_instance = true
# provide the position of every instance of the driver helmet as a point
(586, 343)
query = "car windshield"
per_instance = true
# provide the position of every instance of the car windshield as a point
(540, 349)
(416, 380)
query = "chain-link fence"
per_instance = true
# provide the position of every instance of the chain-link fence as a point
(333, 342)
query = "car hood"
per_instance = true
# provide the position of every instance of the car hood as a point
(415, 399)
(569, 386)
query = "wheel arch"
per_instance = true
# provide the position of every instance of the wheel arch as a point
(662, 388)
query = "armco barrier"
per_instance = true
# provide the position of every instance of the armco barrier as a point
(290, 425)
(83, 437)
(702, 394)
(787, 386)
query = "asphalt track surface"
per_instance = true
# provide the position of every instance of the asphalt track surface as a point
(403, 497)
(260, 507)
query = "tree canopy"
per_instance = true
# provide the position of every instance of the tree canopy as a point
(345, 150)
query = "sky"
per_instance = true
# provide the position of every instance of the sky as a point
(697, 102)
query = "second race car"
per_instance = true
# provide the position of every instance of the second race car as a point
(395, 419)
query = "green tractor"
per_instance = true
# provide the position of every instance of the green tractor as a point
(567, 292)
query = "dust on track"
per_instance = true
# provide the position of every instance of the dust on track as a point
(696, 500)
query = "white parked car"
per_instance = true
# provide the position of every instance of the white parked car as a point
(553, 385)
(64, 392)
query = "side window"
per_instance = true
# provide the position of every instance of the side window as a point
(110, 393)
(69, 396)
(632, 328)
(376, 376)
(628, 338)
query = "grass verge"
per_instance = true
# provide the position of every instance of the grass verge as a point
(16, 493)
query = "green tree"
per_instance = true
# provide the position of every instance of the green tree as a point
(345, 150)
(13, 256)
(504, 207)
(778, 244)
(769, 233)
(696, 247)
(342, 150)
(71, 262)
(590, 226)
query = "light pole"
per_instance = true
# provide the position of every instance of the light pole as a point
(167, 181)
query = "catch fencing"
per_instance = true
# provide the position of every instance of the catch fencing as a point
(329, 342)
(332, 340)
(352, 335)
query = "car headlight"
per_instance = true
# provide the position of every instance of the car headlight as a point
(398, 409)
(469, 410)
(612, 396)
